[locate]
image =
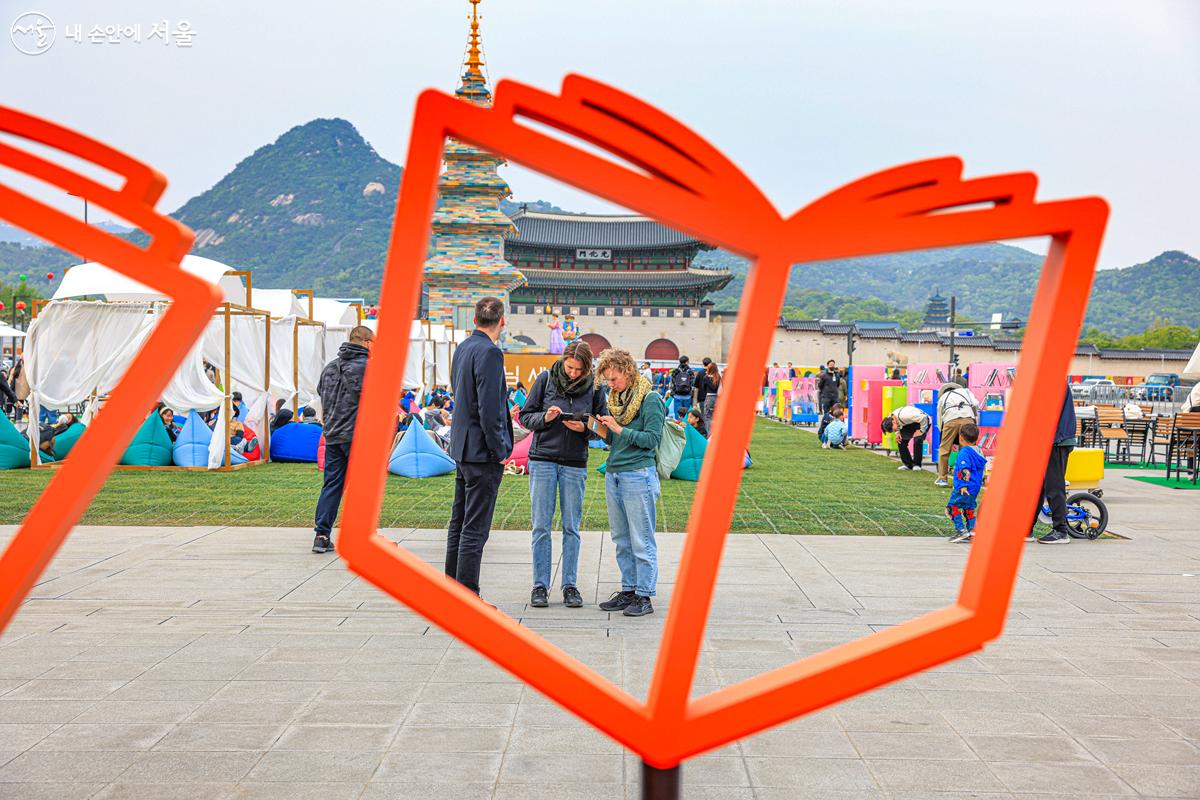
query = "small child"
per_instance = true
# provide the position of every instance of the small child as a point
(968, 480)
(833, 428)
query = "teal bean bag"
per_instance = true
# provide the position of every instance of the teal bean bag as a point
(14, 448)
(151, 447)
(418, 456)
(65, 441)
(693, 456)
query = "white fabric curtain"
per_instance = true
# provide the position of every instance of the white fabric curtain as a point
(283, 360)
(246, 372)
(297, 358)
(190, 389)
(74, 350)
(312, 358)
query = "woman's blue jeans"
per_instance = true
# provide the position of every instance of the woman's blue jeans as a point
(548, 483)
(632, 497)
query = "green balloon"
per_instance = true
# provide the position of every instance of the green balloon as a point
(21, 277)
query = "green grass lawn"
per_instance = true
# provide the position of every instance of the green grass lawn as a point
(793, 487)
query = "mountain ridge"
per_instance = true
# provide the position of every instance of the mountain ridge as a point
(314, 208)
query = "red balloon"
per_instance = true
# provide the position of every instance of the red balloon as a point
(49, 276)
(1, 306)
(20, 305)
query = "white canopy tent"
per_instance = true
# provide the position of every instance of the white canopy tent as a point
(279, 302)
(9, 332)
(1192, 370)
(335, 313)
(78, 351)
(96, 280)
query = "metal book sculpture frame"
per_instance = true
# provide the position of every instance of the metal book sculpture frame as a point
(662, 169)
(193, 300)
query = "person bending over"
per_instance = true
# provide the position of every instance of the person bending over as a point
(911, 425)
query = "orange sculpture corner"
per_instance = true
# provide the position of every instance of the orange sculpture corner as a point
(75, 483)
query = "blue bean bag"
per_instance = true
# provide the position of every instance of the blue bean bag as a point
(14, 448)
(191, 445)
(417, 456)
(694, 447)
(296, 441)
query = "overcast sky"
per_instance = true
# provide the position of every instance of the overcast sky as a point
(1095, 97)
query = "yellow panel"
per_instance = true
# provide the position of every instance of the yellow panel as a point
(1085, 466)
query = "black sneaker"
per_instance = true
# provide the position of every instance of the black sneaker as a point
(618, 601)
(640, 607)
(539, 598)
(321, 544)
(1055, 537)
(572, 598)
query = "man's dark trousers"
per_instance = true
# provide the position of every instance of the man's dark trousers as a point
(905, 436)
(475, 489)
(336, 458)
(1054, 488)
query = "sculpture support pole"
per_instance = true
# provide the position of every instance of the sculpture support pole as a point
(660, 784)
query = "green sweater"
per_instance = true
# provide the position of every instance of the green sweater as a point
(634, 448)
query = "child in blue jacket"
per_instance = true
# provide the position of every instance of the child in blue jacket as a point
(968, 480)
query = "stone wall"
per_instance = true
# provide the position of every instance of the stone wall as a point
(697, 335)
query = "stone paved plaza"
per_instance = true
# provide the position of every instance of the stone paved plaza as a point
(232, 663)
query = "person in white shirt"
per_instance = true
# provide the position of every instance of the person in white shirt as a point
(911, 425)
(956, 407)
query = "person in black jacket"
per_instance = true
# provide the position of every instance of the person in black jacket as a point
(683, 381)
(829, 386)
(339, 387)
(558, 459)
(481, 437)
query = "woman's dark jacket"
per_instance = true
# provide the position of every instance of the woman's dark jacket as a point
(554, 441)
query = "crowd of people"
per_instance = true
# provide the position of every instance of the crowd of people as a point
(579, 399)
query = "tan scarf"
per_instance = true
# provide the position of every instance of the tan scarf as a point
(624, 406)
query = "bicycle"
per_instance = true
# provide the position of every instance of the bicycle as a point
(1087, 516)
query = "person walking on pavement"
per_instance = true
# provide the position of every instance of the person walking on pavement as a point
(481, 437)
(956, 408)
(1054, 484)
(339, 387)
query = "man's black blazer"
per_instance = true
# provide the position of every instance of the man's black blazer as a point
(481, 431)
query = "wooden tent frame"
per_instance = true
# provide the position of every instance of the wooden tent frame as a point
(226, 311)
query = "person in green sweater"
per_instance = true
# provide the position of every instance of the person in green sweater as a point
(634, 429)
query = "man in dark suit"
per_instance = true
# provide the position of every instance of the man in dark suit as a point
(481, 437)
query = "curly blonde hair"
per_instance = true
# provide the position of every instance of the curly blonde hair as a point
(617, 360)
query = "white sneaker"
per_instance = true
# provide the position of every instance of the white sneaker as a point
(903, 467)
(940, 482)
(824, 445)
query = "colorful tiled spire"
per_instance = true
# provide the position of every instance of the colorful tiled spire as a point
(468, 227)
